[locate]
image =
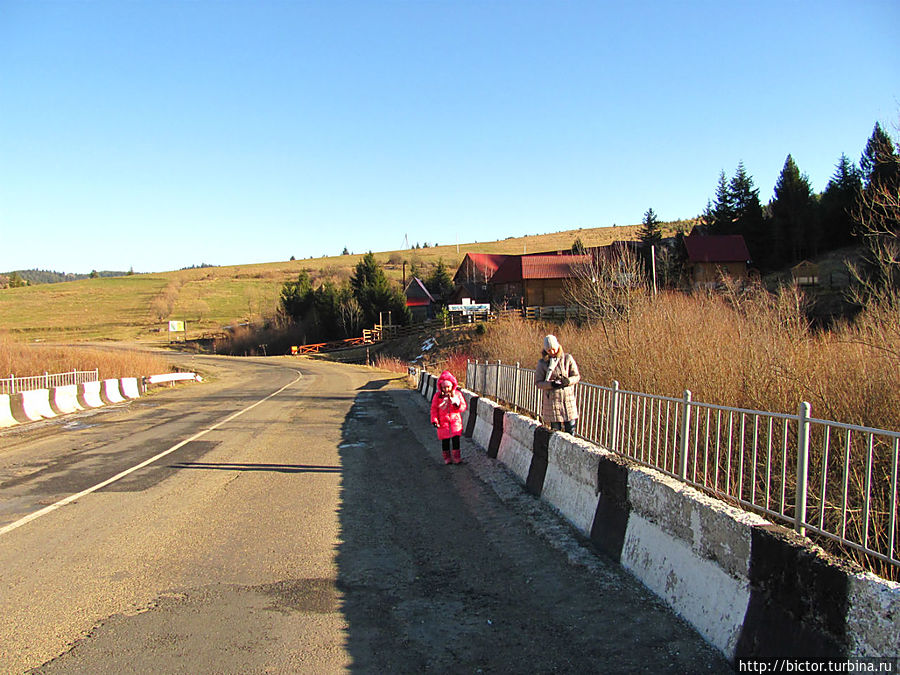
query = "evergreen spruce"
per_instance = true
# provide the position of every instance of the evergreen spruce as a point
(838, 201)
(650, 234)
(723, 208)
(747, 213)
(794, 216)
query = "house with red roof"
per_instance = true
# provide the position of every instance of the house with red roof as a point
(709, 257)
(536, 279)
(419, 300)
(474, 274)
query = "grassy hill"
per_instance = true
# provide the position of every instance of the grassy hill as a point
(138, 307)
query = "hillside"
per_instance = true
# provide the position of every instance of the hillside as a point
(138, 306)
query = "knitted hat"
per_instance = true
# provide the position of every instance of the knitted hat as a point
(551, 343)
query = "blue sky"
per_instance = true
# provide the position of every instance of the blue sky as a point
(158, 134)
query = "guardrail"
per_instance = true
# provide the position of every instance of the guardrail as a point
(15, 385)
(837, 480)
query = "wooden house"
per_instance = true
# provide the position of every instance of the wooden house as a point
(709, 257)
(535, 280)
(420, 302)
(474, 274)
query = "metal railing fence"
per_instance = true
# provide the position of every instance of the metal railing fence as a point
(14, 385)
(837, 480)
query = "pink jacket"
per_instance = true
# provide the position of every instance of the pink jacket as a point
(447, 412)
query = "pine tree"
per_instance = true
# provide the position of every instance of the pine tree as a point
(748, 216)
(439, 283)
(793, 213)
(877, 215)
(650, 234)
(838, 201)
(374, 293)
(723, 209)
(297, 297)
(578, 246)
(877, 164)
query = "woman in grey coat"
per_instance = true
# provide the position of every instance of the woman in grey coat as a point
(556, 375)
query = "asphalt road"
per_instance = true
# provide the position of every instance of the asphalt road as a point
(294, 516)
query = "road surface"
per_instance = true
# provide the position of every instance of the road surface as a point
(294, 516)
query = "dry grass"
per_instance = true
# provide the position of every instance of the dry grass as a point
(23, 360)
(390, 363)
(754, 351)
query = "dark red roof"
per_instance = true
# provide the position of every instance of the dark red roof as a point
(485, 264)
(715, 248)
(415, 290)
(519, 268)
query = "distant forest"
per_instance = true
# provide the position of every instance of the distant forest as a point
(32, 277)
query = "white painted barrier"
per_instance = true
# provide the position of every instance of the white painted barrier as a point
(172, 377)
(36, 404)
(484, 422)
(6, 416)
(89, 395)
(110, 391)
(693, 551)
(130, 387)
(515, 449)
(571, 481)
(64, 399)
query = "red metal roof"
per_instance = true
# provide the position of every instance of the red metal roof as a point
(519, 268)
(415, 290)
(716, 248)
(484, 264)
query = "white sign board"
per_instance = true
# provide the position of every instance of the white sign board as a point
(470, 309)
(176, 326)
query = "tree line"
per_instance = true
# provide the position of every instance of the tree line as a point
(798, 223)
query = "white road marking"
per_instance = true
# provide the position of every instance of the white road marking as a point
(71, 498)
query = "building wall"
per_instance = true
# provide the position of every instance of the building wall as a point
(545, 292)
(707, 274)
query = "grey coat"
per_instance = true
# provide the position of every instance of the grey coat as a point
(557, 405)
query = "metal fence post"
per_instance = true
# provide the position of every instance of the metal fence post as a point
(802, 467)
(516, 387)
(614, 423)
(497, 381)
(685, 432)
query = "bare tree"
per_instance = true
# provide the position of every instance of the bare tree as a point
(876, 283)
(608, 287)
(351, 316)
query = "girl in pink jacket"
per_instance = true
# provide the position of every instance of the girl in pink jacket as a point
(447, 408)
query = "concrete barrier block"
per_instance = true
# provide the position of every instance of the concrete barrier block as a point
(6, 416)
(515, 449)
(712, 528)
(873, 616)
(706, 596)
(64, 400)
(484, 422)
(31, 406)
(799, 599)
(89, 395)
(110, 391)
(130, 387)
(470, 411)
(571, 481)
